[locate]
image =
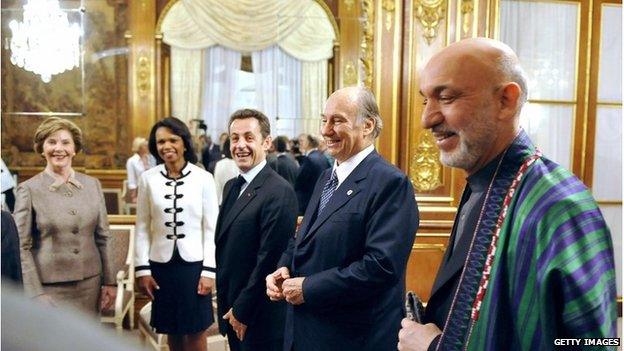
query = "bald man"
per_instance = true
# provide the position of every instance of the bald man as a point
(343, 275)
(530, 257)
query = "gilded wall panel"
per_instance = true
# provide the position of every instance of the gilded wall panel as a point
(100, 94)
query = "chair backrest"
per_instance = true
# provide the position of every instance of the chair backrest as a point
(112, 198)
(122, 247)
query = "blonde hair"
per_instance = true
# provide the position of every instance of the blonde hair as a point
(137, 142)
(53, 125)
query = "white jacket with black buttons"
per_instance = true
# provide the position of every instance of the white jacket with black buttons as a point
(178, 212)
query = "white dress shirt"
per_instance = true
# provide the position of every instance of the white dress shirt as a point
(345, 168)
(251, 174)
(178, 212)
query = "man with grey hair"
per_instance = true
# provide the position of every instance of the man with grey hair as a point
(343, 274)
(530, 260)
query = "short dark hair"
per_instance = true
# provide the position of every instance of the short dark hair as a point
(281, 143)
(263, 121)
(178, 128)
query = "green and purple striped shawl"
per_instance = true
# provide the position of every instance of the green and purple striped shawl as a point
(552, 273)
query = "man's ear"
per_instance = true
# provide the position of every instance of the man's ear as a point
(266, 145)
(369, 125)
(510, 100)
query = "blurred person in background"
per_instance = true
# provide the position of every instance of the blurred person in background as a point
(285, 165)
(225, 169)
(138, 163)
(312, 165)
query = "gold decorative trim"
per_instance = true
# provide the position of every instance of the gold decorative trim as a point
(425, 169)
(350, 74)
(163, 14)
(389, 7)
(349, 4)
(430, 13)
(442, 199)
(609, 202)
(143, 74)
(366, 44)
(440, 247)
(467, 14)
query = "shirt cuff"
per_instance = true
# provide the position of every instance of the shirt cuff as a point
(142, 271)
(208, 272)
(434, 343)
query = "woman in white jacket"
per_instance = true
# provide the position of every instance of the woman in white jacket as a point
(176, 217)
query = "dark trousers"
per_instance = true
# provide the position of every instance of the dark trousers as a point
(245, 345)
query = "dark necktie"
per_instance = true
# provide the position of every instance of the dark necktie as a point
(328, 191)
(232, 195)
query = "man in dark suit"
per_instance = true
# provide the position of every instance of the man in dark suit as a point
(343, 275)
(312, 165)
(285, 164)
(257, 218)
(211, 153)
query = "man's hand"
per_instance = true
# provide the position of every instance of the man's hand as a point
(148, 285)
(204, 287)
(415, 336)
(293, 290)
(274, 283)
(238, 327)
(107, 297)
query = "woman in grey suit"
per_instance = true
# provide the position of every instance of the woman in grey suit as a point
(63, 228)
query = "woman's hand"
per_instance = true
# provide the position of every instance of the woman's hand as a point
(205, 285)
(148, 285)
(107, 298)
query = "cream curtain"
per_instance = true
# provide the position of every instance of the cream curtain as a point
(186, 83)
(221, 66)
(301, 28)
(313, 94)
(278, 88)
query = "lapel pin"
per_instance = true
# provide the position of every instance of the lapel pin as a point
(349, 192)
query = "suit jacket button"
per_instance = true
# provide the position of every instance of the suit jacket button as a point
(75, 231)
(76, 251)
(73, 212)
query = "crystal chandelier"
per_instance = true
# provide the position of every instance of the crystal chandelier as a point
(45, 43)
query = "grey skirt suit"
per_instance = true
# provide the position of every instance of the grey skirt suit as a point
(64, 236)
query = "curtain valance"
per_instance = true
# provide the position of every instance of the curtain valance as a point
(301, 28)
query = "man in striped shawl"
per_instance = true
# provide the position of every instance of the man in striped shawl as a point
(530, 257)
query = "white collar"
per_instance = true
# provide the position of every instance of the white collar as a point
(252, 173)
(345, 168)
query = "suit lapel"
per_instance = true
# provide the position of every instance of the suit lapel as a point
(243, 200)
(312, 208)
(345, 192)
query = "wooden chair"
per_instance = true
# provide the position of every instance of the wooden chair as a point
(122, 256)
(112, 198)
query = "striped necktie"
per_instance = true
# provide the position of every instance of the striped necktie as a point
(328, 191)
